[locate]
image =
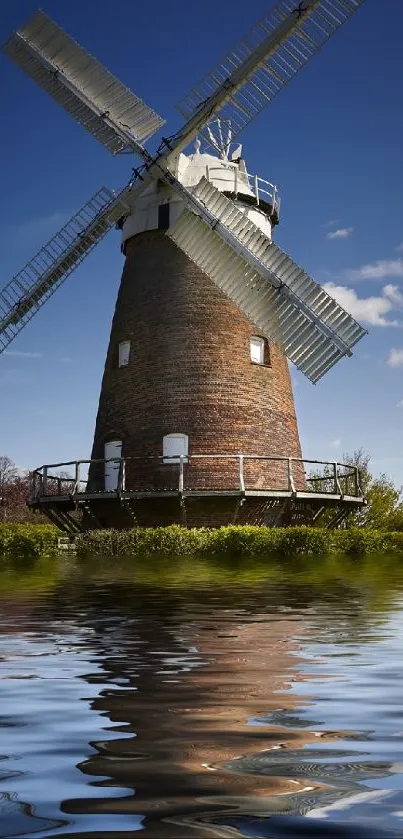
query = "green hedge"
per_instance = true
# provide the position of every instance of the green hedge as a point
(28, 540)
(237, 541)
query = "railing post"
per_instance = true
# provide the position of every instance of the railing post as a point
(181, 473)
(236, 183)
(45, 481)
(337, 487)
(358, 487)
(291, 484)
(241, 472)
(256, 190)
(121, 476)
(33, 487)
(59, 486)
(77, 478)
(207, 174)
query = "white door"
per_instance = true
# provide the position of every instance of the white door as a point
(112, 449)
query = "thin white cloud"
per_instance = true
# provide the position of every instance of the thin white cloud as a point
(395, 358)
(40, 228)
(19, 354)
(400, 404)
(334, 444)
(368, 310)
(340, 233)
(399, 248)
(331, 223)
(378, 270)
(66, 360)
(12, 377)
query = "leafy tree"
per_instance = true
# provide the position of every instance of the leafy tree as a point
(14, 492)
(384, 510)
(7, 470)
(8, 473)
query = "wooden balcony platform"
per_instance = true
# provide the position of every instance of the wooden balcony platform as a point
(240, 492)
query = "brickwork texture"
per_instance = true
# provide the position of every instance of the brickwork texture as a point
(190, 372)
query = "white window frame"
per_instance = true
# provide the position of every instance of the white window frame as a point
(173, 446)
(257, 349)
(124, 353)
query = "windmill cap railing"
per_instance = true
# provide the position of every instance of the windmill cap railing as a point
(295, 475)
(242, 183)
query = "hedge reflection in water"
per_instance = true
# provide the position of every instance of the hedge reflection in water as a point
(215, 696)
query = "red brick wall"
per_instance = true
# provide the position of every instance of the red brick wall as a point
(189, 371)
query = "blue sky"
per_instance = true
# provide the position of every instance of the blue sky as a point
(333, 143)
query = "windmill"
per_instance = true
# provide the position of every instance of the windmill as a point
(196, 381)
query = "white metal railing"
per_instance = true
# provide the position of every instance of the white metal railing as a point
(242, 473)
(237, 182)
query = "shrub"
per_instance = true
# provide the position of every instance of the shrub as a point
(359, 541)
(239, 541)
(173, 540)
(179, 541)
(28, 540)
(309, 541)
(142, 541)
(393, 542)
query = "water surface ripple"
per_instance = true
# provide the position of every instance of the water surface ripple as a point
(201, 699)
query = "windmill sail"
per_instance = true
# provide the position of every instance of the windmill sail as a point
(82, 86)
(264, 62)
(264, 282)
(31, 287)
(277, 295)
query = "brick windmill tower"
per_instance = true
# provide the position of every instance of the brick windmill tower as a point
(196, 420)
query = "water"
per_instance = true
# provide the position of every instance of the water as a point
(200, 699)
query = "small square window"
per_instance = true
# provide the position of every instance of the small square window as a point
(124, 353)
(257, 350)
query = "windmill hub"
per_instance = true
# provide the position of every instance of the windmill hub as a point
(196, 420)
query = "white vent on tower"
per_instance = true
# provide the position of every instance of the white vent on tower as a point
(124, 353)
(174, 446)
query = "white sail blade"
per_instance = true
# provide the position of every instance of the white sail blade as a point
(82, 86)
(262, 64)
(286, 305)
(31, 287)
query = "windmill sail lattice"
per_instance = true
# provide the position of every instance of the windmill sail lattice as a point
(32, 287)
(90, 93)
(266, 60)
(265, 283)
